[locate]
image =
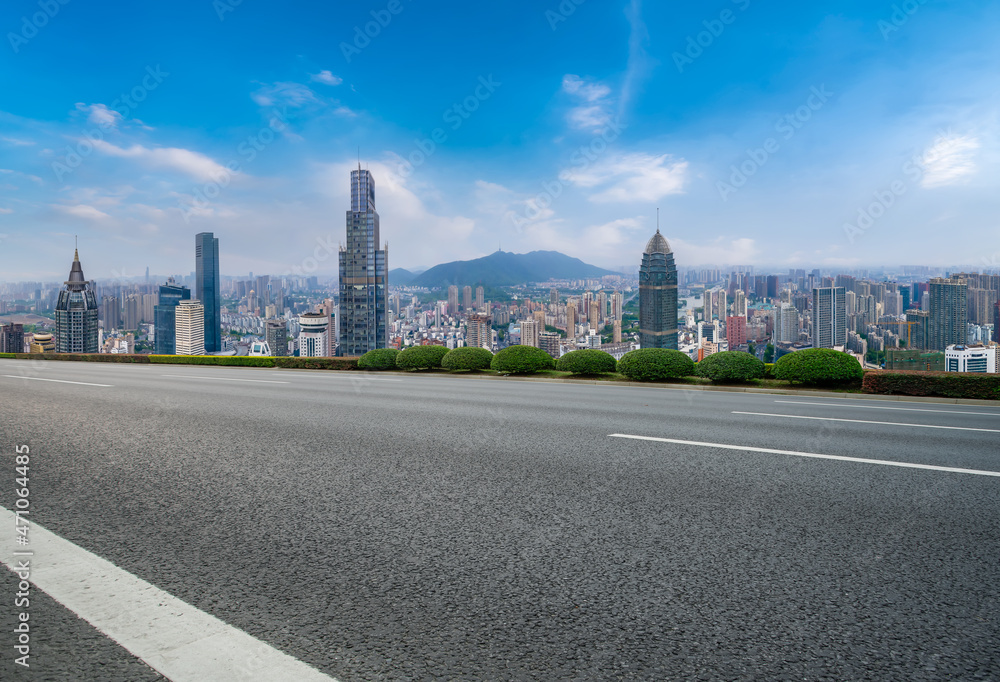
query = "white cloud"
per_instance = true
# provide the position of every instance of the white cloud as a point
(173, 158)
(639, 62)
(593, 112)
(16, 142)
(949, 160)
(83, 211)
(326, 77)
(719, 251)
(100, 115)
(278, 94)
(6, 210)
(631, 177)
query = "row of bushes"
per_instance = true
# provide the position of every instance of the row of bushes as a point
(941, 384)
(225, 360)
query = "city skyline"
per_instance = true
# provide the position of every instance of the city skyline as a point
(854, 139)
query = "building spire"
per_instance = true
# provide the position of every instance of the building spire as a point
(657, 220)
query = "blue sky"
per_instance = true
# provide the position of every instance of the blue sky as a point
(839, 135)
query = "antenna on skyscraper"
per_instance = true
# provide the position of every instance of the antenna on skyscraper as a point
(657, 218)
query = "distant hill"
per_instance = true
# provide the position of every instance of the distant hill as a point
(504, 269)
(400, 277)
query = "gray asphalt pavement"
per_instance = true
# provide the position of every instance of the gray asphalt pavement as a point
(395, 527)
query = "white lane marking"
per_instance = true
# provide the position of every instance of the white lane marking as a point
(812, 455)
(181, 642)
(864, 421)
(255, 381)
(879, 407)
(338, 376)
(58, 381)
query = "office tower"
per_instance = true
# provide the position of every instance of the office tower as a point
(314, 332)
(658, 295)
(549, 342)
(276, 336)
(740, 304)
(554, 296)
(189, 322)
(961, 358)
(364, 283)
(466, 298)
(278, 296)
(206, 288)
(996, 322)
(261, 286)
(571, 321)
(772, 286)
(530, 332)
(829, 317)
(948, 313)
(12, 338)
(786, 323)
(736, 331)
(76, 313)
(480, 298)
(479, 333)
(617, 331)
(165, 327)
(453, 300)
(708, 332)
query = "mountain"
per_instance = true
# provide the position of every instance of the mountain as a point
(502, 269)
(401, 278)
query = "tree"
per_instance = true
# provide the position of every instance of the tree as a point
(752, 349)
(769, 353)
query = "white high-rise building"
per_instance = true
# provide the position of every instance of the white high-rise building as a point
(529, 333)
(189, 321)
(829, 313)
(786, 323)
(740, 304)
(314, 335)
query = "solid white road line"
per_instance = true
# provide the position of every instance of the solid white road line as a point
(58, 381)
(863, 421)
(178, 640)
(879, 407)
(812, 455)
(337, 376)
(253, 381)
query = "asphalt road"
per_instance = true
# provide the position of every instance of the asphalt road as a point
(396, 527)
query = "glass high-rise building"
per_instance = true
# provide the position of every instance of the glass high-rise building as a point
(76, 313)
(207, 288)
(364, 281)
(658, 295)
(829, 317)
(165, 329)
(948, 323)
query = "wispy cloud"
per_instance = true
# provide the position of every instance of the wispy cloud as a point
(284, 93)
(594, 109)
(83, 211)
(184, 160)
(632, 177)
(100, 115)
(639, 62)
(326, 77)
(16, 142)
(949, 161)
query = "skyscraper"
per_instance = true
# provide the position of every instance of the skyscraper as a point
(949, 313)
(276, 335)
(11, 338)
(480, 299)
(786, 323)
(76, 313)
(206, 288)
(190, 324)
(453, 300)
(479, 334)
(658, 295)
(467, 298)
(363, 274)
(829, 317)
(529, 332)
(165, 329)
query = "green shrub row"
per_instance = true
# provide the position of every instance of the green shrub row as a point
(378, 360)
(522, 360)
(232, 361)
(8, 355)
(82, 357)
(941, 384)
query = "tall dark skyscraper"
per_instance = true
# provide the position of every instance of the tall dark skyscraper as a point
(658, 295)
(207, 288)
(11, 338)
(363, 274)
(165, 329)
(949, 318)
(76, 313)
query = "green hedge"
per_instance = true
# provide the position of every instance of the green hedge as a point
(8, 355)
(818, 366)
(587, 361)
(468, 358)
(344, 363)
(943, 384)
(84, 357)
(730, 366)
(421, 357)
(226, 360)
(379, 359)
(768, 370)
(655, 364)
(522, 360)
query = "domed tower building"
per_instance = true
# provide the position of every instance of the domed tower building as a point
(658, 295)
(76, 313)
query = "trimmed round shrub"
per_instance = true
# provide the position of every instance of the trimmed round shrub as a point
(378, 359)
(655, 364)
(818, 366)
(522, 360)
(730, 366)
(587, 361)
(421, 357)
(468, 358)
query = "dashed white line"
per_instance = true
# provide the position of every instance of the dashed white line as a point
(812, 455)
(181, 642)
(879, 407)
(864, 421)
(254, 381)
(57, 381)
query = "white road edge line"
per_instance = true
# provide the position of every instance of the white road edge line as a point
(254, 381)
(181, 642)
(58, 381)
(338, 376)
(863, 421)
(879, 407)
(812, 455)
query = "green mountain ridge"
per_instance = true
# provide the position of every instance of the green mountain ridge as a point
(503, 268)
